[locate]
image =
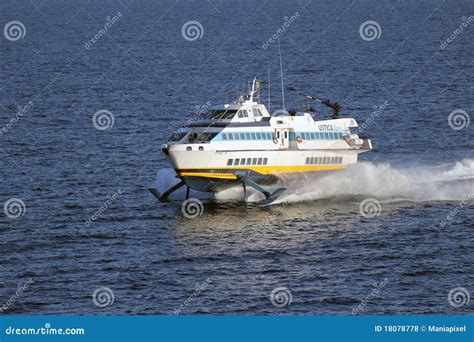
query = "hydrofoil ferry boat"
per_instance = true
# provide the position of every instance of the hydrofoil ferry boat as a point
(241, 144)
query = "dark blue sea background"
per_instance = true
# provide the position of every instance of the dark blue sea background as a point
(314, 246)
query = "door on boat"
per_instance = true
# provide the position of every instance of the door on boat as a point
(283, 136)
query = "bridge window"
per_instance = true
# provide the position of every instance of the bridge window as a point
(242, 113)
(219, 114)
(224, 136)
(256, 112)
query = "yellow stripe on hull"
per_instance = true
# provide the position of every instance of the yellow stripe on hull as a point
(208, 175)
(264, 170)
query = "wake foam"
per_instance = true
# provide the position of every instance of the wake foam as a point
(448, 182)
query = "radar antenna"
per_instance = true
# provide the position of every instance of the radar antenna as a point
(333, 105)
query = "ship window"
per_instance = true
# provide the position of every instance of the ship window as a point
(249, 161)
(333, 135)
(331, 161)
(247, 136)
(269, 136)
(340, 160)
(256, 112)
(242, 113)
(260, 161)
(259, 136)
(231, 136)
(253, 136)
(224, 136)
(205, 136)
(219, 114)
(307, 161)
(236, 136)
(265, 160)
(236, 161)
(326, 160)
(242, 161)
(326, 136)
(313, 136)
(254, 161)
(229, 161)
(286, 134)
(311, 161)
(278, 134)
(242, 136)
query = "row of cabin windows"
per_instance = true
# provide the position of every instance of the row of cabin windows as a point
(247, 136)
(270, 136)
(247, 161)
(321, 135)
(323, 160)
(243, 113)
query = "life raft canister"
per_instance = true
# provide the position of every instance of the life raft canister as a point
(275, 140)
(299, 139)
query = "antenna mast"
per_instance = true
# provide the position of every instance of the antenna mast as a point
(281, 76)
(269, 98)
